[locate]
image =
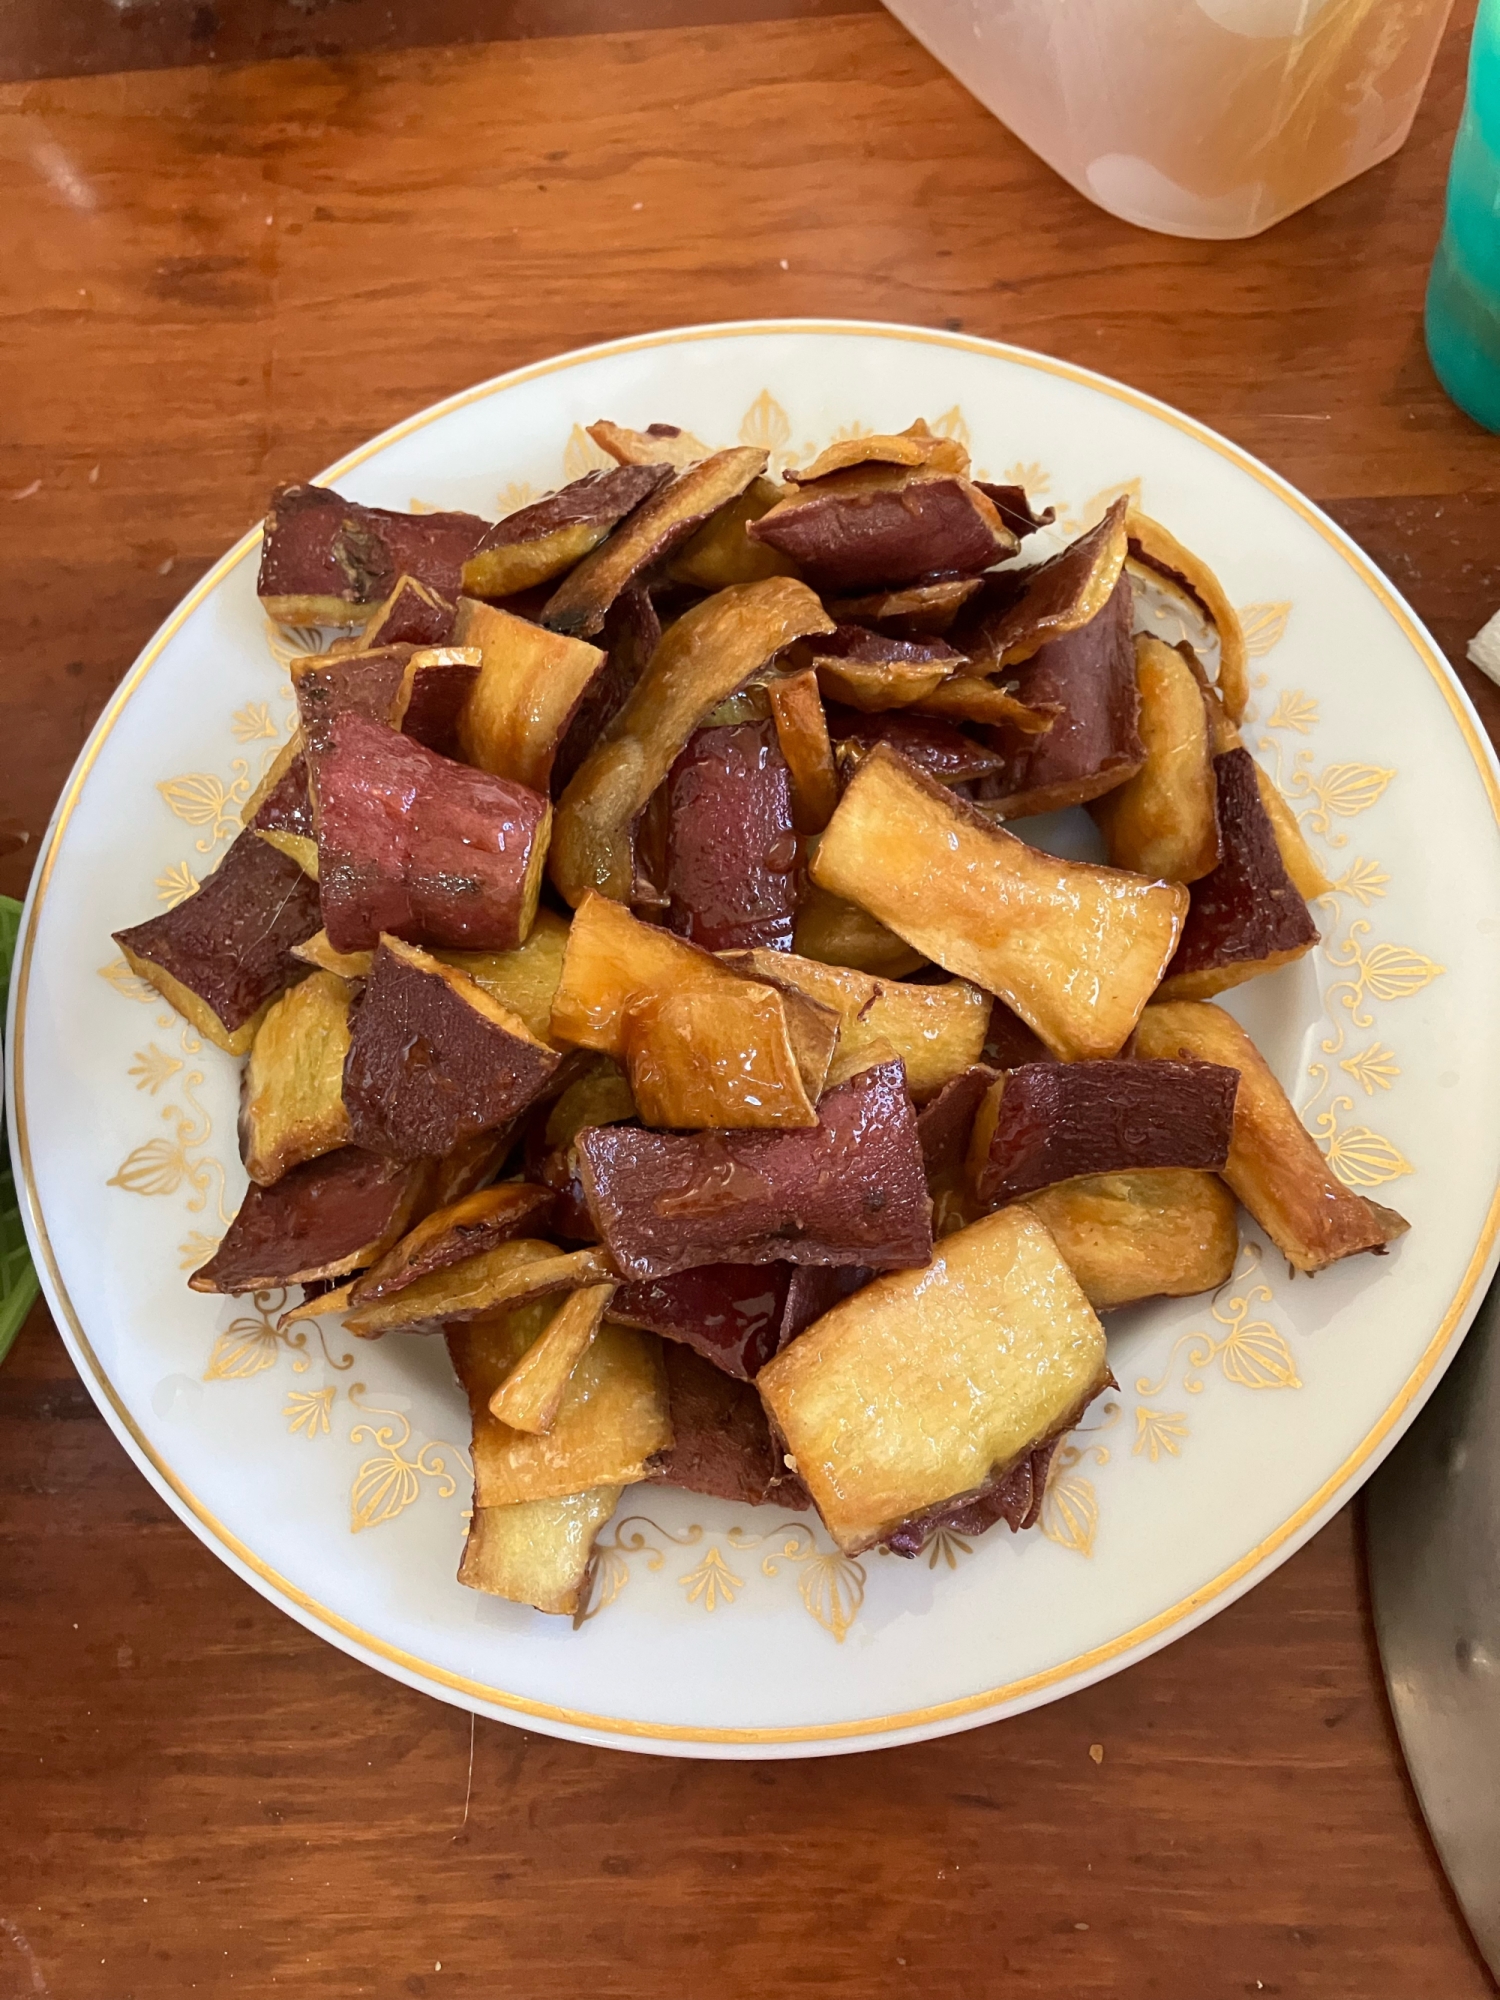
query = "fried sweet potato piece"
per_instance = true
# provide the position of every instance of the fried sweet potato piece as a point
(721, 553)
(870, 672)
(848, 1191)
(1020, 610)
(1086, 680)
(731, 1314)
(613, 960)
(414, 614)
(874, 526)
(631, 635)
(919, 611)
(706, 655)
(657, 444)
(933, 746)
(721, 1442)
(610, 1425)
(652, 533)
(328, 1217)
(537, 1552)
(1297, 858)
(524, 980)
(418, 690)
(433, 1060)
(971, 698)
(1163, 821)
(279, 810)
(1051, 1122)
(937, 1031)
(802, 732)
(928, 1386)
(841, 933)
(326, 560)
(417, 846)
(291, 1099)
(540, 542)
(1275, 1165)
(317, 952)
(518, 1272)
(531, 1394)
(731, 847)
(221, 956)
(944, 1127)
(452, 1234)
(1075, 950)
(1135, 1236)
(529, 687)
(1165, 561)
(716, 1057)
(1014, 507)
(916, 445)
(1246, 917)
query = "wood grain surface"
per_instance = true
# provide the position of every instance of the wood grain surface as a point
(217, 278)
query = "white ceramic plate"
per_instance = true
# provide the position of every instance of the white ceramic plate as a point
(335, 1481)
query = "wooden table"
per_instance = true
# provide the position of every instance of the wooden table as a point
(220, 277)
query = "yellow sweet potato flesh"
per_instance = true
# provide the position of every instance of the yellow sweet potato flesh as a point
(523, 980)
(924, 1384)
(916, 445)
(1275, 1166)
(721, 553)
(537, 1552)
(1167, 562)
(611, 1421)
(517, 566)
(874, 686)
(1075, 950)
(531, 1394)
(437, 1240)
(841, 933)
(613, 960)
(292, 1103)
(969, 698)
(530, 682)
(937, 1031)
(511, 1274)
(1163, 822)
(1162, 1234)
(802, 732)
(704, 657)
(664, 446)
(317, 951)
(601, 1096)
(715, 1056)
(1297, 857)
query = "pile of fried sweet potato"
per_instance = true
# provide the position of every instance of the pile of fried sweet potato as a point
(640, 988)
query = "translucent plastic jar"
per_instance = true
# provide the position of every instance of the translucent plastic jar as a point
(1195, 117)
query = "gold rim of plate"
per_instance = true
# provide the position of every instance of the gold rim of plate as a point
(1083, 1664)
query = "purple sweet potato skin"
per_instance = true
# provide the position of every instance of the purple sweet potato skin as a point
(231, 941)
(1088, 676)
(367, 684)
(412, 619)
(317, 1214)
(864, 540)
(1060, 1120)
(600, 498)
(426, 1071)
(849, 1190)
(416, 845)
(1015, 1498)
(945, 1122)
(438, 694)
(868, 648)
(732, 851)
(731, 1314)
(287, 807)
(318, 544)
(935, 747)
(721, 1442)
(1248, 907)
(632, 632)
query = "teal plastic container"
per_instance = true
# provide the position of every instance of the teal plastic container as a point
(1463, 293)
